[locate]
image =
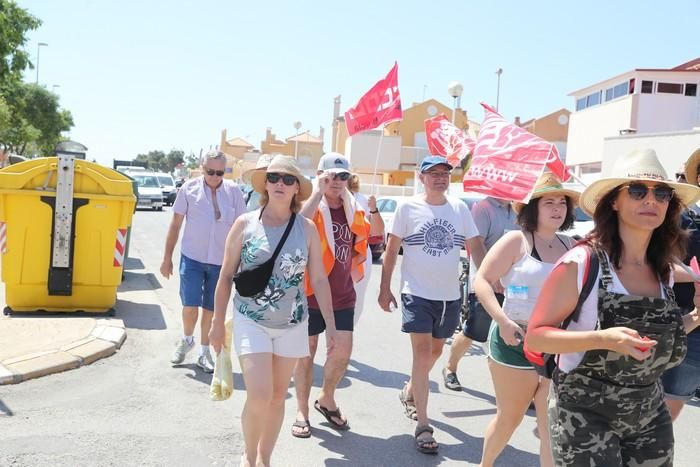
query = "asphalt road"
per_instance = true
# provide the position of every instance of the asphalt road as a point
(134, 408)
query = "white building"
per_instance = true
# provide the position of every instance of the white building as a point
(636, 103)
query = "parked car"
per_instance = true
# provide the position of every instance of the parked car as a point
(169, 190)
(150, 191)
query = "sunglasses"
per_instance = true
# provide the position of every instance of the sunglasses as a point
(341, 176)
(212, 172)
(639, 191)
(287, 179)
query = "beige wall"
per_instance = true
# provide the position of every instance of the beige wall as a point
(361, 151)
(550, 127)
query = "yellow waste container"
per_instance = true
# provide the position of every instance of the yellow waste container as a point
(63, 229)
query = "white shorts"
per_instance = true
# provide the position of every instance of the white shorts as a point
(249, 337)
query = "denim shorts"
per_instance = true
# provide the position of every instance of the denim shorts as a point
(421, 315)
(681, 382)
(476, 326)
(198, 283)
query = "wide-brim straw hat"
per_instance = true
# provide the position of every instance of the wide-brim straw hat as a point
(282, 165)
(639, 165)
(261, 164)
(548, 185)
(691, 168)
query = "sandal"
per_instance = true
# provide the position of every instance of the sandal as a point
(426, 444)
(330, 414)
(409, 405)
(303, 424)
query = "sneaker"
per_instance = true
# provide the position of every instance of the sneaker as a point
(182, 348)
(206, 362)
(451, 380)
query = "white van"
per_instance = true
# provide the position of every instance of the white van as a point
(150, 190)
(168, 184)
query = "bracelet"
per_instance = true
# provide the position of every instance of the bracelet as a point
(374, 212)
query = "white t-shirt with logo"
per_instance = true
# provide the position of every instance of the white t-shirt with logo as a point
(432, 237)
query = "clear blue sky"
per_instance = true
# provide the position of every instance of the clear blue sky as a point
(145, 75)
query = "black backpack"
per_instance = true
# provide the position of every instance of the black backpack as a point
(545, 363)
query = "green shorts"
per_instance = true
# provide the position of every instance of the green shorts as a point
(511, 356)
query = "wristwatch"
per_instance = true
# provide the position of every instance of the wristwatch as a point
(374, 212)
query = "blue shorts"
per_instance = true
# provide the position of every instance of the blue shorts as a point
(421, 315)
(681, 382)
(198, 283)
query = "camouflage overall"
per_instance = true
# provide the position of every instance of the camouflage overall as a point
(609, 411)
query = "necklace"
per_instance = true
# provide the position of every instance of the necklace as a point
(549, 243)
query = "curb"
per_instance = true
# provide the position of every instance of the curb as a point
(106, 338)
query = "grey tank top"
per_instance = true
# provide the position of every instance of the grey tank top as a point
(283, 302)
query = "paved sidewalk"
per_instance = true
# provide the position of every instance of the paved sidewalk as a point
(38, 344)
(34, 346)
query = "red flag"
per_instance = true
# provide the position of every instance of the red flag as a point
(447, 140)
(381, 104)
(508, 160)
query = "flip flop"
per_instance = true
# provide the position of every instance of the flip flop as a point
(301, 424)
(329, 414)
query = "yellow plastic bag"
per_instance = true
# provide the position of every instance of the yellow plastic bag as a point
(222, 382)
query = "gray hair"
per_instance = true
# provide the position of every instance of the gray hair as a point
(215, 156)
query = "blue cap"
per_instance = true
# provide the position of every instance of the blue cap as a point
(431, 161)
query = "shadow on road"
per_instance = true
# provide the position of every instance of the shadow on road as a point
(377, 377)
(140, 316)
(5, 410)
(133, 263)
(400, 450)
(134, 281)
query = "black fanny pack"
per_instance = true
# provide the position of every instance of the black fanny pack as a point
(251, 282)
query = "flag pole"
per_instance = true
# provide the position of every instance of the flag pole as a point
(376, 160)
(573, 175)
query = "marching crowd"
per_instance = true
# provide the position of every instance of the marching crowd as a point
(599, 333)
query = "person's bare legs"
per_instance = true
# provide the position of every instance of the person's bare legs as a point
(540, 400)
(257, 375)
(435, 352)
(189, 320)
(303, 378)
(282, 369)
(426, 351)
(205, 325)
(514, 390)
(334, 370)
(460, 344)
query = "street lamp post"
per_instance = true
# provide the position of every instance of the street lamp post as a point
(38, 50)
(54, 86)
(499, 72)
(455, 89)
(297, 125)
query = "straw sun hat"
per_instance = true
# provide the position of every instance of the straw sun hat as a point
(282, 165)
(639, 165)
(691, 168)
(548, 185)
(261, 164)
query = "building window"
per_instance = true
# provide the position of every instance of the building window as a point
(647, 87)
(631, 86)
(669, 88)
(581, 103)
(593, 99)
(620, 90)
(691, 89)
(608, 94)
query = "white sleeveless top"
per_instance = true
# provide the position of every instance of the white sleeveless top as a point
(523, 284)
